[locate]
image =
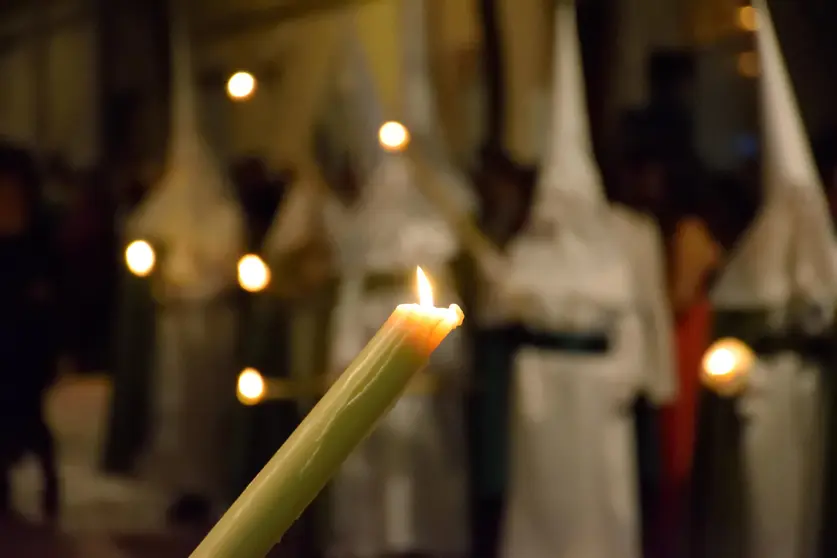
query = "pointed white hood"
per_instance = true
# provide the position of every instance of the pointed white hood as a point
(191, 213)
(399, 226)
(567, 255)
(570, 170)
(787, 252)
(302, 95)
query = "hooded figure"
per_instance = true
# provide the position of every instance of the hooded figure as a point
(641, 240)
(580, 359)
(285, 327)
(29, 329)
(296, 246)
(758, 458)
(196, 229)
(402, 492)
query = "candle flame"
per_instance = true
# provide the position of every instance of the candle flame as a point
(727, 365)
(424, 289)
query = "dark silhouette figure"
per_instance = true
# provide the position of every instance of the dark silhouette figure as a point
(259, 194)
(29, 345)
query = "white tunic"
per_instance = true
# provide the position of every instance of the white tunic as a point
(194, 374)
(403, 489)
(573, 485)
(781, 262)
(642, 243)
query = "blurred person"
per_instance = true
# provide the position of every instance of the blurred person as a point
(516, 68)
(582, 355)
(826, 157)
(285, 333)
(196, 228)
(403, 492)
(295, 244)
(641, 185)
(29, 329)
(259, 194)
(660, 166)
(664, 125)
(758, 467)
(89, 250)
(515, 37)
(693, 256)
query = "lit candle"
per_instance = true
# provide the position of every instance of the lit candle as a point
(335, 426)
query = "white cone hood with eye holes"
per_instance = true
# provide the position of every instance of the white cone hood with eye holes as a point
(568, 254)
(191, 215)
(787, 253)
(399, 226)
(302, 95)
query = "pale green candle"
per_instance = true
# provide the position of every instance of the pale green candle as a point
(335, 426)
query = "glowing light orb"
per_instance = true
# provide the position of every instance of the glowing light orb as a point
(250, 387)
(253, 273)
(393, 136)
(727, 365)
(747, 19)
(140, 258)
(241, 86)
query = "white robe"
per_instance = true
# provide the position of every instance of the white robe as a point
(573, 486)
(403, 489)
(642, 242)
(194, 373)
(197, 230)
(194, 395)
(781, 410)
(782, 407)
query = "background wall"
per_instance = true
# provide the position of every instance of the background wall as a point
(49, 70)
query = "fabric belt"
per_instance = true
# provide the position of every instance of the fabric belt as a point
(584, 342)
(752, 327)
(812, 345)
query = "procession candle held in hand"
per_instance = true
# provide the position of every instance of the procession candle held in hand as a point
(342, 419)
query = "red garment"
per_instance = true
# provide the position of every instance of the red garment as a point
(678, 423)
(692, 331)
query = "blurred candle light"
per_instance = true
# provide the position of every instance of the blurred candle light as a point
(140, 258)
(251, 387)
(253, 273)
(241, 86)
(393, 136)
(727, 365)
(340, 421)
(747, 18)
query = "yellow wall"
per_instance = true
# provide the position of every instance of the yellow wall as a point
(70, 111)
